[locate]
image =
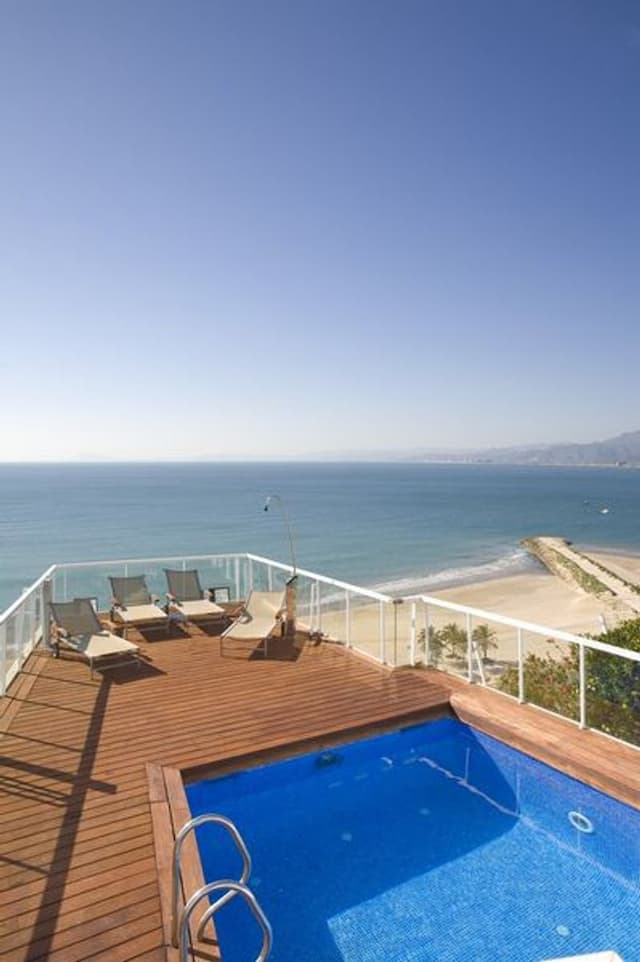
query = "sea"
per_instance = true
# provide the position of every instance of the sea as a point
(396, 526)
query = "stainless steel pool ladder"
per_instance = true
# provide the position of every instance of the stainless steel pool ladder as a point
(180, 919)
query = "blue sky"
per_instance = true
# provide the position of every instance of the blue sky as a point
(270, 229)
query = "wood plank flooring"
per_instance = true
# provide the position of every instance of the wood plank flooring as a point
(78, 872)
(78, 878)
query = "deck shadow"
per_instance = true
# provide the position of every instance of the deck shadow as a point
(153, 635)
(46, 921)
(131, 673)
(277, 649)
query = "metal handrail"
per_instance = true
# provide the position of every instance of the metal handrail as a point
(557, 634)
(177, 852)
(236, 888)
(13, 607)
(105, 562)
(323, 579)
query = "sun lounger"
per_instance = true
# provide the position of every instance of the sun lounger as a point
(76, 627)
(187, 599)
(132, 604)
(261, 616)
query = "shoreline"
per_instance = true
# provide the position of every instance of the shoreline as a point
(523, 563)
(435, 582)
(536, 596)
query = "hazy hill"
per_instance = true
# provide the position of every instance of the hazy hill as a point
(623, 449)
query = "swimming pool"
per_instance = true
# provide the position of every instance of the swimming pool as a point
(435, 843)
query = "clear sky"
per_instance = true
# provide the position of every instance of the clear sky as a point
(277, 228)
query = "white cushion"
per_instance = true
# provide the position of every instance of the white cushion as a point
(102, 644)
(198, 609)
(138, 613)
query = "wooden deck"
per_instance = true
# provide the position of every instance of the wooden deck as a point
(78, 875)
(78, 878)
(593, 758)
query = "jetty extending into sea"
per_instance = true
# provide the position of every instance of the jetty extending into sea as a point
(582, 571)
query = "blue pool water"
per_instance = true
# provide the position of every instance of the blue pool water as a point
(431, 844)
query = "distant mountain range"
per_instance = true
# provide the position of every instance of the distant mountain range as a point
(623, 450)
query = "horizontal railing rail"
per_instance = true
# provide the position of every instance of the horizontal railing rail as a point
(23, 626)
(228, 556)
(532, 628)
(586, 691)
(15, 605)
(169, 559)
(323, 579)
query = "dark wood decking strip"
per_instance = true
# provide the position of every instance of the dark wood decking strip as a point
(593, 758)
(79, 875)
(169, 812)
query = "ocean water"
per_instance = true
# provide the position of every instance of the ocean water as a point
(432, 844)
(401, 527)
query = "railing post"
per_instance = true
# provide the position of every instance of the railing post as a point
(250, 574)
(269, 578)
(413, 636)
(382, 639)
(236, 577)
(45, 598)
(312, 606)
(469, 648)
(3, 657)
(520, 668)
(427, 634)
(347, 616)
(319, 607)
(583, 687)
(396, 604)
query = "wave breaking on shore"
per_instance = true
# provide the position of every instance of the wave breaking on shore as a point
(515, 562)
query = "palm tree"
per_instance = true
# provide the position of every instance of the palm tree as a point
(484, 637)
(435, 646)
(454, 639)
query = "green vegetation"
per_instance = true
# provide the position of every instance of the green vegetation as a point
(612, 684)
(485, 638)
(607, 571)
(451, 640)
(554, 560)
(587, 581)
(454, 641)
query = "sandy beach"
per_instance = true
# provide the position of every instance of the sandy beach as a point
(625, 566)
(537, 597)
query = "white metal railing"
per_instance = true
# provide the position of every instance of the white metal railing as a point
(326, 605)
(473, 666)
(383, 628)
(23, 626)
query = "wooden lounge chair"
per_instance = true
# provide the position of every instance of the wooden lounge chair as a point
(76, 627)
(259, 619)
(132, 604)
(187, 600)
